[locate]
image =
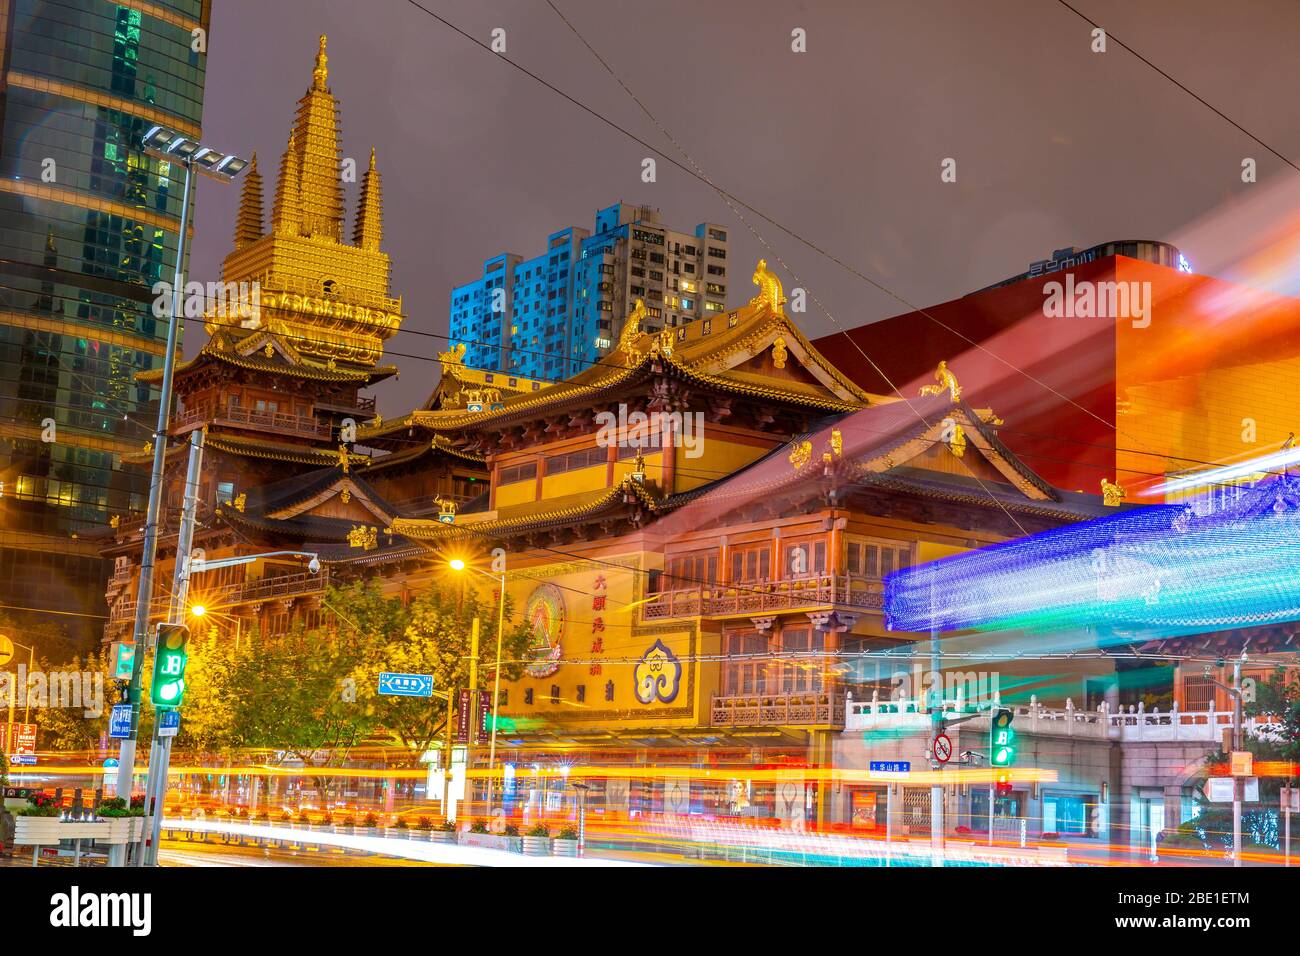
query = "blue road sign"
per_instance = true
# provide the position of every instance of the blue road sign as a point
(119, 722)
(23, 760)
(169, 723)
(891, 766)
(406, 685)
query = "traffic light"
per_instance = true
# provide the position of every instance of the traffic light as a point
(1002, 785)
(169, 659)
(1002, 739)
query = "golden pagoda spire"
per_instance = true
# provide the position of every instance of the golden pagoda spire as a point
(286, 212)
(369, 229)
(316, 136)
(320, 76)
(248, 224)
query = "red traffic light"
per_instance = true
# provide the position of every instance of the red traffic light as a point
(1002, 785)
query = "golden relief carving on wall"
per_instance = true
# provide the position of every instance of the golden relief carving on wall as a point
(801, 455)
(779, 353)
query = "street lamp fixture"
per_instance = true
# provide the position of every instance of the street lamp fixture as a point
(198, 610)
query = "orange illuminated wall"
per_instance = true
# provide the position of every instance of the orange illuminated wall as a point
(1214, 354)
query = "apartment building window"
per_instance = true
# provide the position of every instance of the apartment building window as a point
(715, 288)
(524, 472)
(690, 268)
(717, 253)
(717, 270)
(690, 250)
(717, 234)
(751, 563)
(657, 258)
(638, 272)
(656, 276)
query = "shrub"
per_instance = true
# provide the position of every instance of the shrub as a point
(39, 805)
(478, 826)
(137, 801)
(348, 821)
(569, 833)
(511, 830)
(370, 820)
(262, 816)
(303, 817)
(540, 830)
(1051, 836)
(423, 823)
(401, 824)
(963, 829)
(447, 826)
(327, 819)
(284, 816)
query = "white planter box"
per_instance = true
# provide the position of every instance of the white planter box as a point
(397, 833)
(537, 846)
(565, 847)
(47, 831)
(441, 836)
(137, 828)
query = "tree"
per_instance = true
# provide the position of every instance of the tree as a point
(430, 636)
(1277, 705)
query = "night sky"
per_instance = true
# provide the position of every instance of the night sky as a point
(1055, 145)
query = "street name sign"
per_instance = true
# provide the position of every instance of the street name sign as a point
(406, 685)
(169, 723)
(891, 766)
(1219, 789)
(119, 722)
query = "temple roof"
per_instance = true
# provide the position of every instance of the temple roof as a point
(760, 354)
(249, 352)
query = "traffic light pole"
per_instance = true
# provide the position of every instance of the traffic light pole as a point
(144, 590)
(936, 719)
(155, 792)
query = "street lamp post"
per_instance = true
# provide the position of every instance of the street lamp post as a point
(1238, 743)
(582, 789)
(174, 147)
(8, 644)
(456, 564)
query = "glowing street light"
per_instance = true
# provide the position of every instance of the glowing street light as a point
(198, 610)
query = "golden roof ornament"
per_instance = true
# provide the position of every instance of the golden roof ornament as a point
(946, 380)
(1112, 494)
(837, 442)
(269, 350)
(801, 455)
(345, 496)
(321, 74)
(241, 501)
(453, 358)
(148, 447)
(344, 462)
(631, 332)
(114, 521)
(769, 289)
(331, 364)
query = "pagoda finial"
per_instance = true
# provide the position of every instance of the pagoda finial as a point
(321, 74)
(286, 212)
(248, 224)
(369, 229)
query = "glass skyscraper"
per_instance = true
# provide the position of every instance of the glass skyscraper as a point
(88, 224)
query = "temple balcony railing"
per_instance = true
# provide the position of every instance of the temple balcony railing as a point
(808, 709)
(764, 597)
(280, 423)
(1131, 724)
